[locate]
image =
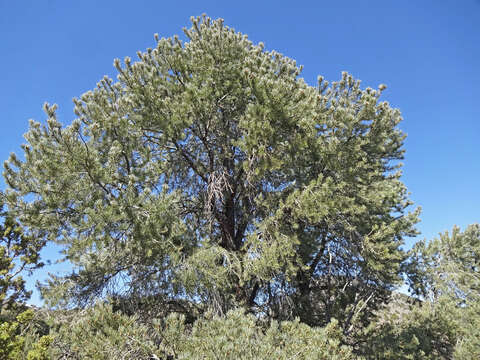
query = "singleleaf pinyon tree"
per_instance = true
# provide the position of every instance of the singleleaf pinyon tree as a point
(209, 175)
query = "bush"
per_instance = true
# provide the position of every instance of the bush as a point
(99, 333)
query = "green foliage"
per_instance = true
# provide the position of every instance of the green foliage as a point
(19, 253)
(11, 344)
(446, 272)
(468, 335)
(100, 333)
(410, 331)
(20, 340)
(40, 349)
(238, 336)
(450, 265)
(211, 174)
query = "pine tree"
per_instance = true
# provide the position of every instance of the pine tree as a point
(446, 274)
(210, 176)
(19, 254)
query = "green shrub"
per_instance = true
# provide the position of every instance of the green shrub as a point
(100, 334)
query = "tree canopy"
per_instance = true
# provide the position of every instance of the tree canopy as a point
(211, 174)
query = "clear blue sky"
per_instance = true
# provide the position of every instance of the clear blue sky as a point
(427, 52)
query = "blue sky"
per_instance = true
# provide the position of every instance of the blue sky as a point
(427, 52)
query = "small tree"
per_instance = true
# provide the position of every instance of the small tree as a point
(447, 276)
(211, 173)
(19, 253)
